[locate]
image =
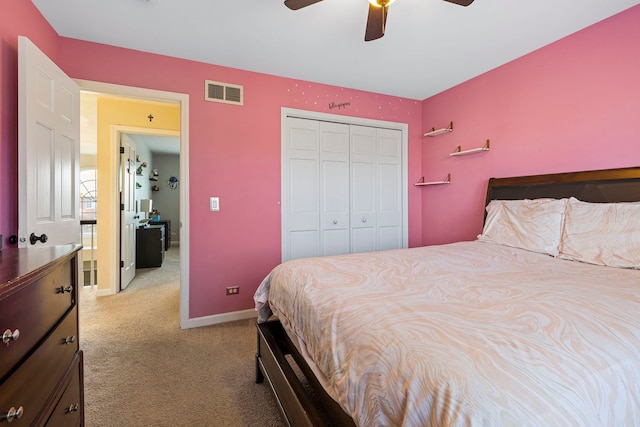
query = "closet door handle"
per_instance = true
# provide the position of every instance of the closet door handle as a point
(335, 221)
(364, 219)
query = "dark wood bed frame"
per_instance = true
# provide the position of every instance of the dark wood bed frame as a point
(309, 405)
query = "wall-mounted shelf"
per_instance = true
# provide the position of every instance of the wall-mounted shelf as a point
(436, 132)
(460, 152)
(422, 182)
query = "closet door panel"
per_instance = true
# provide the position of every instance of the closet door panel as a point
(303, 194)
(389, 189)
(363, 183)
(301, 197)
(363, 239)
(363, 207)
(303, 244)
(334, 191)
(363, 188)
(389, 238)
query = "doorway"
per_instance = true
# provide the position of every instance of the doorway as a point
(108, 212)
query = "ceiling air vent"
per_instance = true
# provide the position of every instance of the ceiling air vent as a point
(222, 92)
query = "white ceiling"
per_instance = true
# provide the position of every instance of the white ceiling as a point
(429, 46)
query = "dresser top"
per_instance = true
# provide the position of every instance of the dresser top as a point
(19, 265)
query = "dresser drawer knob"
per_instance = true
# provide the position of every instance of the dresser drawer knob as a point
(13, 414)
(10, 336)
(69, 340)
(73, 408)
(63, 289)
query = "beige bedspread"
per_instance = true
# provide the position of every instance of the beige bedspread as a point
(466, 334)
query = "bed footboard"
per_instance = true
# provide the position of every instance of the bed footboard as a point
(294, 400)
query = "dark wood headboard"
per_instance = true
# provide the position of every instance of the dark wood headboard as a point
(609, 185)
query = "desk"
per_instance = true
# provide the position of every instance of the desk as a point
(149, 246)
(167, 231)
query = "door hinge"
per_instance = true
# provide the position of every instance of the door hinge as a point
(121, 264)
(121, 206)
(121, 150)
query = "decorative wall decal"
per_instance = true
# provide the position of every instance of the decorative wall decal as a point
(173, 183)
(367, 105)
(339, 106)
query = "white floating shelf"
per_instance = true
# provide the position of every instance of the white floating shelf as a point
(436, 132)
(422, 181)
(460, 152)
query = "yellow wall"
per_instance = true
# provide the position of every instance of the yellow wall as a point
(114, 111)
(130, 112)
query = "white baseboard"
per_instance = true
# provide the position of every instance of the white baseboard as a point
(104, 292)
(219, 318)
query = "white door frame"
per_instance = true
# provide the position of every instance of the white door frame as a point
(114, 246)
(313, 115)
(116, 137)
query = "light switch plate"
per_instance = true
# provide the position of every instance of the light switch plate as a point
(214, 203)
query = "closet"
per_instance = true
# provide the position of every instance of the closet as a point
(342, 188)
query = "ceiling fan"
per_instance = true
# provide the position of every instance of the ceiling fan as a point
(377, 19)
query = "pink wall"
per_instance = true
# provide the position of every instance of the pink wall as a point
(569, 106)
(16, 18)
(573, 105)
(234, 153)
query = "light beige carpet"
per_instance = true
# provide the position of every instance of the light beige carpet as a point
(141, 369)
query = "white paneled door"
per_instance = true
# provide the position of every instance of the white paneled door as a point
(128, 215)
(48, 151)
(342, 188)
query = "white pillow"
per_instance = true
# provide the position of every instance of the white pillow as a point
(602, 233)
(534, 225)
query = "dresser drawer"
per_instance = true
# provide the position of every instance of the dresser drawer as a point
(34, 381)
(34, 310)
(69, 411)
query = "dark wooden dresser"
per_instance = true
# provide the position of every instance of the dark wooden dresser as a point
(41, 368)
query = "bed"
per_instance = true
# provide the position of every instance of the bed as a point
(534, 323)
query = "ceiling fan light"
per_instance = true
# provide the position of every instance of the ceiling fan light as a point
(380, 3)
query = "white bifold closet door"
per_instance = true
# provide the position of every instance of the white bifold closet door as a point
(342, 189)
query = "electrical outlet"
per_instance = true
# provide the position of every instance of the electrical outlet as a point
(233, 290)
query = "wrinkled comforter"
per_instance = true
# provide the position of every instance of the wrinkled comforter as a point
(465, 334)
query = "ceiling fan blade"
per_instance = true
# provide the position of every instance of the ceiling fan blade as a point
(299, 4)
(376, 22)
(461, 2)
